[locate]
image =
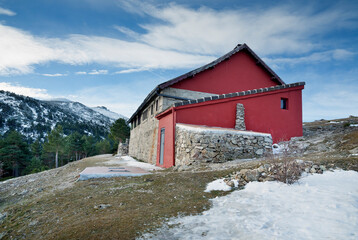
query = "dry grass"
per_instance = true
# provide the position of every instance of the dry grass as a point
(138, 204)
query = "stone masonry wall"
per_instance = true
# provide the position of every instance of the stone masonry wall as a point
(144, 137)
(240, 117)
(199, 144)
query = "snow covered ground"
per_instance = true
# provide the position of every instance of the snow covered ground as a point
(320, 206)
(131, 162)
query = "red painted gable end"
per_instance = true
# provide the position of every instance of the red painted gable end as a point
(238, 73)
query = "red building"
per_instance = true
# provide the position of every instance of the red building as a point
(240, 76)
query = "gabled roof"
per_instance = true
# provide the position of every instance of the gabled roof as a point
(238, 48)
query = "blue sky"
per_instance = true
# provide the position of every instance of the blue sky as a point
(114, 52)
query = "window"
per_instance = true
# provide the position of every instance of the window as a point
(151, 109)
(135, 122)
(284, 103)
(145, 114)
(156, 105)
(139, 115)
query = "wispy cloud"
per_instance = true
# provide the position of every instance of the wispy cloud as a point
(128, 32)
(97, 72)
(8, 12)
(317, 57)
(26, 91)
(274, 30)
(54, 74)
(183, 37)
(331, 101)
(81, 73)
(131, 70)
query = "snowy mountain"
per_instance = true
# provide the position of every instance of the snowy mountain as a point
(106, 112)
(34, 118)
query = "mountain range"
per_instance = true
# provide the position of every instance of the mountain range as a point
(35, 118)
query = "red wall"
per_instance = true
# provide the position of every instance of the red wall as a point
(263, 113)
(167, 121)
(239, 73)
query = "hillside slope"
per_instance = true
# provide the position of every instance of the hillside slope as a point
(34, 118)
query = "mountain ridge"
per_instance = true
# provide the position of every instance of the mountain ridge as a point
(35, 118)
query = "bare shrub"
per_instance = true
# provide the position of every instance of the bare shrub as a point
(285, 168)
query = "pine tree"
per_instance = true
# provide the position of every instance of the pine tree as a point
(103, 146)
(14, 152)
(36, 149)
(89, 145)
(55, 142)
(119, 132)
(74, 144)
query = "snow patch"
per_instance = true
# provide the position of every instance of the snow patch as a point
(205, 129)
(217, 185)
(319, 206)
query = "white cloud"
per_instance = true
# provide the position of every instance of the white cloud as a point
(54, 75)
(96, 72)
(20, 51)
(331, 101)
(7, 12)
(127, 32)
(317, 57)
(275, 30)
(81, 73)
(26, 91)
(182, 38)
(121, 99)
(131, 70)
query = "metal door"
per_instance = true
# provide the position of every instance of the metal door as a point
(162, 136)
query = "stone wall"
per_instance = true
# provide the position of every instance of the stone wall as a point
(199, 144)
(240, 117)
(123, 148)
(144, 137)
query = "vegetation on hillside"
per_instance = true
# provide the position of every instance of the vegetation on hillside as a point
(20, 156)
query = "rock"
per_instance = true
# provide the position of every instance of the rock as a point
(230, 183)
(312, 170)
(252, 175)
(307, 170)
(261, 169)
(102, 206)
(259, 151)
(33, 223)
(323, 168)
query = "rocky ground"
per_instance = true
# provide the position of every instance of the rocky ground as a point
(54, 205)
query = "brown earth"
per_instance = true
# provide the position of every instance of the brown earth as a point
(54, 205)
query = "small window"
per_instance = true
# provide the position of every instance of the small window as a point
(284, 103)
(151, 109)
(135, 122)
(139, 115)
(156, 105)
(145, 114)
